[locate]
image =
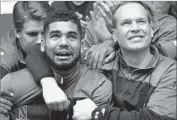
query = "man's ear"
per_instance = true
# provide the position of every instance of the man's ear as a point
(42, 45)
(152, 32)
(114, 34)
(17, 34)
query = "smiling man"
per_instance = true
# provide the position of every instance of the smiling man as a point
(144, 82)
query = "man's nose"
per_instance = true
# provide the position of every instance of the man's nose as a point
(39, 38)
(63, 42)
(135, 27)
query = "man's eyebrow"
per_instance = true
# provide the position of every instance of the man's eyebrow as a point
(124, 20)
(142, 18)
(54, 31)
(72, 32)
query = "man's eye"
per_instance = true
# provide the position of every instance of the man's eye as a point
(32, 34)
(72, 36)
(141, 22)
(126, 23)
(54, 36)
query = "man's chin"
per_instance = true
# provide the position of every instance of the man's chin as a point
(63, 66)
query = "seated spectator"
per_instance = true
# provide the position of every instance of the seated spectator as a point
(62, 44)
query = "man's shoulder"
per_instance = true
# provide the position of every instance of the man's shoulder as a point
(9, 37)
(165, 61)
(93, 83)
(165, 67)
(21, 73)
(94, 76)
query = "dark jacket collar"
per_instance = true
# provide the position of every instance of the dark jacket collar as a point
(72, 77)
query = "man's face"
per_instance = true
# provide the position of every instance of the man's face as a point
(63, 44)
(30, 34)
(133, 31)
(78, 3)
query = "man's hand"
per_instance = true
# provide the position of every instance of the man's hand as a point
(105, 9)
(83, 22)
(5, 103)
(100, 54)
(54, 97)
(99, 25)
(83, 109)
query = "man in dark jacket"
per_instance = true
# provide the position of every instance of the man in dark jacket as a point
(144, 82)
(62, 44)
(28, 18)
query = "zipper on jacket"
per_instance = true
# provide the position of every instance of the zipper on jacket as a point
(61, 81)
(128, 77)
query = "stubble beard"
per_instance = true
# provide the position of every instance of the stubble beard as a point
(65, 66)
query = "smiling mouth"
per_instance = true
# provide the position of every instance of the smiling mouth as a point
(63, 55)
(136, 37)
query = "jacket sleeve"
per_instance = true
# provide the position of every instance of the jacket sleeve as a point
(166, 35)
(21, 83)
(38, 64)
(102, 95)
(113, 113)
(168, 49)
(8, 55)
(161, 105)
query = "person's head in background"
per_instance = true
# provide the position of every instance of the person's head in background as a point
(132, 22)
(159, 6)
(78, 3)
(62, 39)
(28, 17)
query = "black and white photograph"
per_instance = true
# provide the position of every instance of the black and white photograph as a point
(88, 60)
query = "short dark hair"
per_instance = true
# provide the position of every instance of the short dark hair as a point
(25, 10)
(147, 8)
(64, 15)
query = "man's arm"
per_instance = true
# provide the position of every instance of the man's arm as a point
(168, 49)
(38, 64)
(17, 88)
(40, 68)
(100, 54)
(8, 58)
(166, 35)
(100, 96)
(98, 32)
(161, 105)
